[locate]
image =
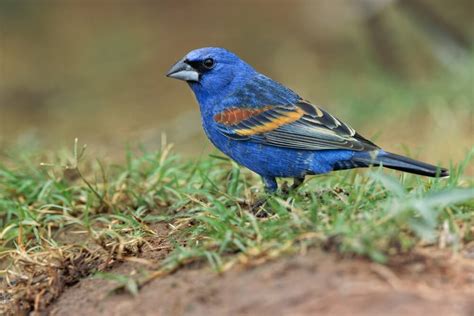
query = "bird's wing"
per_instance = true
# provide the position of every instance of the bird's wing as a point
(301, 125)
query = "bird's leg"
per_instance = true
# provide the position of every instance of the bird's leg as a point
(270, 184)
(297, 182)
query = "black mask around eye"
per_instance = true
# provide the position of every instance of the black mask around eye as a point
(202, 66)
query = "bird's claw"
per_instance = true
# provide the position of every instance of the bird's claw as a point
(285, 189)
(257, 208)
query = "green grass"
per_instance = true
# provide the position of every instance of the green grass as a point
(72, 211)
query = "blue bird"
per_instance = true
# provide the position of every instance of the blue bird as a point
(270, 129)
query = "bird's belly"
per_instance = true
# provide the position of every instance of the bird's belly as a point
(277, 161)
(269, 160)
(266, 160)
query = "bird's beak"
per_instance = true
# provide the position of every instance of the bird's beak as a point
(183, 71)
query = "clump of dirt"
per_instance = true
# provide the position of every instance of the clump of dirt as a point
(38, 279)
(317, 283)
(45, 276)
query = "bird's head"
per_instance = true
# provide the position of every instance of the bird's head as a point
(211, 72)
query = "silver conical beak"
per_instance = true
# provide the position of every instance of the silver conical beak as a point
(183, 71)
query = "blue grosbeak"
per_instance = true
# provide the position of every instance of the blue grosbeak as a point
(269, 129)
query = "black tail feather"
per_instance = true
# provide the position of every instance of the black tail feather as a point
(397, 162)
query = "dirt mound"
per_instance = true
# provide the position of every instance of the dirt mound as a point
(316, 283)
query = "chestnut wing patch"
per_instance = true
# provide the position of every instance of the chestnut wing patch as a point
(234, 116)
(249, 121)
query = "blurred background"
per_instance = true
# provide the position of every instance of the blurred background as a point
(400, 72)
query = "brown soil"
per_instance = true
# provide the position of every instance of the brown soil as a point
(316, 283)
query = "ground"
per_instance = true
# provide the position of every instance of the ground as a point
(159, 235)
(314, 283)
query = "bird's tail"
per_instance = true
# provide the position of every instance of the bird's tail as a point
(397, 162)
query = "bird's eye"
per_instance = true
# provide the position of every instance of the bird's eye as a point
(208, 63)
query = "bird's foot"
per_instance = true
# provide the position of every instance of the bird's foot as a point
(257, 208)
(285, 189)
